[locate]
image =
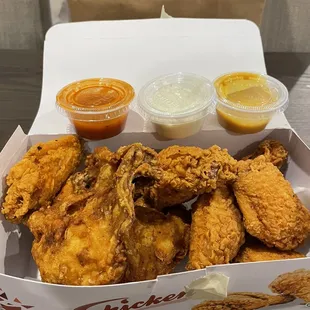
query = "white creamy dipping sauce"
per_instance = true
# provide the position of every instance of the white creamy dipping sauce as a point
(176, 104)
(179, 131)
(176, 98)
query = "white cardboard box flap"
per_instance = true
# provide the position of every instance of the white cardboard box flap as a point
(138, 51)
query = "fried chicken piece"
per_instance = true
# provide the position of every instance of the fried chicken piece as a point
(155, 243)
(36, 179)
(189, 171)
(256, 252)
(83, 246)
(296, 283)
(244, 301)
(273, 151)
(181, 212)
(78, 188)
(217, 232)
(271, 211)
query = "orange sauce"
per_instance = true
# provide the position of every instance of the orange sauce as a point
(101, 129)
(97, 108)
(97, 96)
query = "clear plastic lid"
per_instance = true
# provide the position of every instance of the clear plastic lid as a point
(178, 97)
(251, 92)
(92, 98)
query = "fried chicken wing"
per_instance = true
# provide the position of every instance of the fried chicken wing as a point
(296, 283)
(36, 179)
(271, 211)
(273, 151)
(78, 188)
(244, 301)
(190, 171)
(256, 252)
(217, 232)
(155, 243)
(84, 246)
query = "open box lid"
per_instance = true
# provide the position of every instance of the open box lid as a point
(139, 50)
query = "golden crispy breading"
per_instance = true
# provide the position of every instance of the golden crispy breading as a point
(87, 180)
(98, 174)
(271, 211)
(189, 171)
(244, 301)
(256, 252)
(217, 232)
(154, 244)
(35, 180)
(273, 151)
(296, 283)
(83, 246)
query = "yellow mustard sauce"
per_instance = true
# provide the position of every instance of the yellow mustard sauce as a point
(244, 91)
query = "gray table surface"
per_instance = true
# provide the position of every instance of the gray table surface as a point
(21, 78)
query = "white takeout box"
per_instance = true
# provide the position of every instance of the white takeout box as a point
(144, 49)
(19, 279)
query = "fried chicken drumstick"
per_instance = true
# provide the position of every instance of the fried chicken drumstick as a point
(217, 231)
(84, 246)
(36, 179)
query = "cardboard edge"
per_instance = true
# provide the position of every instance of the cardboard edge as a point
(10, 148)
(253, 25)
(54, 30)
(300, 139)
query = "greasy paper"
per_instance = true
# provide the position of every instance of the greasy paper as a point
(83, 10)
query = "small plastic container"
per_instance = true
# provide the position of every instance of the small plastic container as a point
(247, 101)
(177, 104)
(97, 108)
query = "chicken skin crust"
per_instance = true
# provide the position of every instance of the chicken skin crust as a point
(217, 231)
(271, 211)
(296, 283)
(154, 244)
(273, 151)
(78, 188)
(36, 179)
(257, 252)
(81, 242)
(189, 171)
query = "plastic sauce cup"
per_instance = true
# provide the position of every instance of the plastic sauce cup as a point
(247, 101)
(177, 104)
(97, 108)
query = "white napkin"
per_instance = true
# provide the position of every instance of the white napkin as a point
(213, 286)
